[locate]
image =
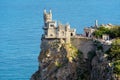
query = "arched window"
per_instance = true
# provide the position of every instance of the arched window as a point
(71, 34)
(87, 34)
(51, 34)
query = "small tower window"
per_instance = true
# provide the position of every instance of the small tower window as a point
(87, 34)
(51, 34)
(71, 34)
(51, 25)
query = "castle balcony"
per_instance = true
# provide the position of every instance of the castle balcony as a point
(61, 37)
(49, 37)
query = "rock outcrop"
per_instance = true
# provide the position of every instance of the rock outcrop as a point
(78, 60)
(58, 61)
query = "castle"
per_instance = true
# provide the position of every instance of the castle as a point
(53, 30)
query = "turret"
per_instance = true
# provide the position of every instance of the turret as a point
(44, 11)
(50, 12)
(67, 27)
(47, 16)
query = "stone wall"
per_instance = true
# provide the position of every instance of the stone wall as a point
(83, 44)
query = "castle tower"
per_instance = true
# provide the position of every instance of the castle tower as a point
(67, 27)
(47, 16)
(96, 23)
(49, 25)
(54, 31)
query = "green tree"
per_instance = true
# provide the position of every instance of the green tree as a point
(112, 32)
(100, 31)
(114, 56)
(115, 50)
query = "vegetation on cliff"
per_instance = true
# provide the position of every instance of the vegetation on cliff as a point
(114, 56)
(113, 32)
(83, 70)
(114, 52)
(65, 61)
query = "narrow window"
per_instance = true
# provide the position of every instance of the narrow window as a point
(87, 34)
(51, 34)
(71, 34)
(62, 33)
(51, 25)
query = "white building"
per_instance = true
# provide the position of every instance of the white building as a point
(105, 37)
(89, 30)
(52, 30)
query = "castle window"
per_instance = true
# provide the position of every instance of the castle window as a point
(51, 25)
(71, 34)
(62, 33)
(51, 34)
(87, 34)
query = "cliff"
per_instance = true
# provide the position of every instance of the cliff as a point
(66, 55)
(82, 59)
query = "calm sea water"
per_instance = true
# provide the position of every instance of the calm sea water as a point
(21, 24)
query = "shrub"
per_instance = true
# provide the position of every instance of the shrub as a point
(114, 55)
(58, 64)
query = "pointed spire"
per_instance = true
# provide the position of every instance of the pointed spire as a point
(96, 23)
(50, 11)
(67, 24)
(44, 11)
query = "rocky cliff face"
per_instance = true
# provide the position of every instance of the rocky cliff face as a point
(76, 61)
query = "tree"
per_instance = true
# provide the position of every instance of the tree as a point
(100, 31)
(115, 50)
(112, 32)
(114, 56)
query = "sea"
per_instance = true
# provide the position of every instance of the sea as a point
(21, 23)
